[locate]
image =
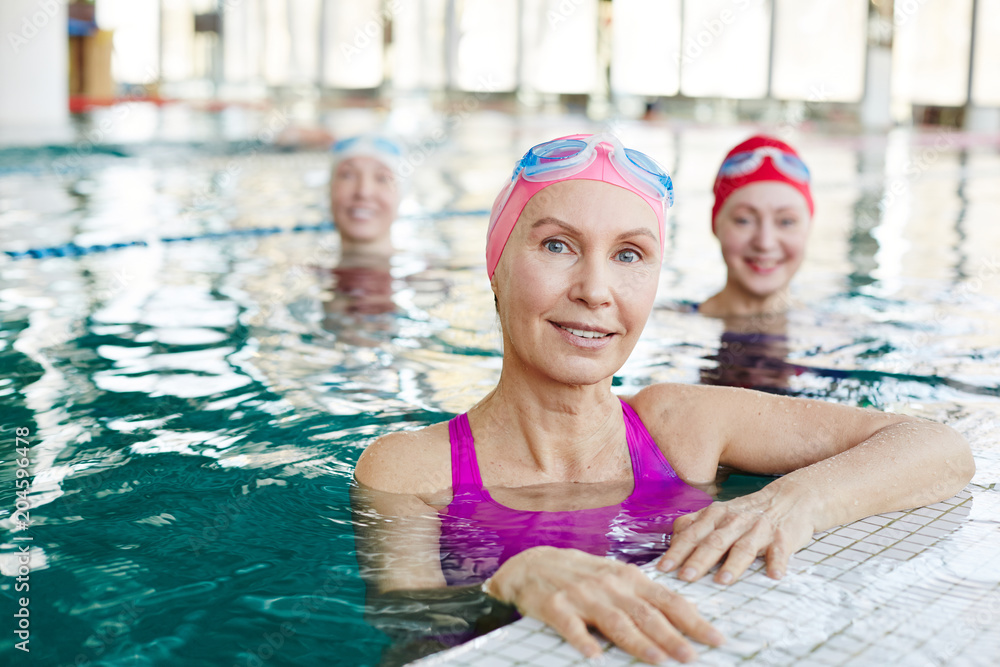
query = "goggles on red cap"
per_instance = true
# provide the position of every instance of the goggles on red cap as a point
(760, 158)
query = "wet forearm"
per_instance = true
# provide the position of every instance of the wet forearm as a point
(903, 465)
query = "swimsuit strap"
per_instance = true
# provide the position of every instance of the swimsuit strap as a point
(648, 462)
(465, 479)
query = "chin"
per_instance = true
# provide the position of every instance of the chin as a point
(581, 374)
(764, 288)
(362, 233)
(762, 293)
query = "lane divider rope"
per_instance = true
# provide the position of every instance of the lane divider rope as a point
(71, 249)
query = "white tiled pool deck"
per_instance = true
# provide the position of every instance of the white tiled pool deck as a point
(920, 587)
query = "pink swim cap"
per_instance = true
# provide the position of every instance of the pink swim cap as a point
(765, 159)
(507, 209)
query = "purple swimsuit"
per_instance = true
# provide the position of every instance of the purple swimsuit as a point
(478, 534)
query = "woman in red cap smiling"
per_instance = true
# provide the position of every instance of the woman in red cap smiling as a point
(762, 217)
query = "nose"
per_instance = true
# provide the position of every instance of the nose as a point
(592, 282)
(765, 234)
(364, 187)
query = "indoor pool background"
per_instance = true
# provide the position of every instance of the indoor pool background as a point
(195, 407)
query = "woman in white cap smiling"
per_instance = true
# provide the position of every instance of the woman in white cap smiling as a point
(364, 192)
(364, 200)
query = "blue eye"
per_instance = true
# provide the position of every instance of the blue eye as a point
(554, 246)
(788, 222)
(627, 256)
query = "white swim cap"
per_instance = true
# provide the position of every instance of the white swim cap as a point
(387, 151)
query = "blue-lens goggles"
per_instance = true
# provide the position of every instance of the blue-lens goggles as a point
(747, 162)
(380, 143)
(562, 158)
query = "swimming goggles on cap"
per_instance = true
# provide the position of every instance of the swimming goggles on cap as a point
(747, 162)
(562, 158)
(378, 143)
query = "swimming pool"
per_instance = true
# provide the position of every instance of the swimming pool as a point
(193, 408)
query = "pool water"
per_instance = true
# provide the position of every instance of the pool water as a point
(194, 407)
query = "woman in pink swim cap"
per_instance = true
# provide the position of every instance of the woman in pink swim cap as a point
(536, 495)
(762, 217)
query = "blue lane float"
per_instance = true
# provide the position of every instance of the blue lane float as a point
(73, 250)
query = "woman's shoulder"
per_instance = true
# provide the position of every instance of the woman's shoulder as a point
(693, 405)
(713, 306)
(688, 423)
(669, 406)
(666, 396)
(414, 462)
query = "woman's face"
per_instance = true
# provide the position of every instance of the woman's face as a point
(763, 228)
(364, 199)
(577, 279)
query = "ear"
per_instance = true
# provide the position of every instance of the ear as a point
(499, 277)
(495, 290)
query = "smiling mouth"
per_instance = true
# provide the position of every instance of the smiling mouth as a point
(763, 265)
(361, 213)
(583, 333)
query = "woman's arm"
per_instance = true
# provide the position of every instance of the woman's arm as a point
(839, 464)
(397, 533)
(408, 598)
(397, 541)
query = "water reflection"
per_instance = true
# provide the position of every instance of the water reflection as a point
(753, 354)
(362, 286)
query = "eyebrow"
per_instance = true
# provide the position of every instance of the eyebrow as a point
(549, 220)
(755, 209)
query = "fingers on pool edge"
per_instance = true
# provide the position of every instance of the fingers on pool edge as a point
(777, 557)
(683, 541)
(564, 620)
(741, 556)
(713, 548)
(683, 615)
(656, 624)
(629, 632)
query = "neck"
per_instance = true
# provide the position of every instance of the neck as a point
(351, 258)
(381, 247)
(734, 301)
(553, 432)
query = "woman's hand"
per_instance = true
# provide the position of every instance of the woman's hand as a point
(765, 522)
(570, 590)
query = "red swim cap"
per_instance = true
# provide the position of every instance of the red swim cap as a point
(764, 166)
